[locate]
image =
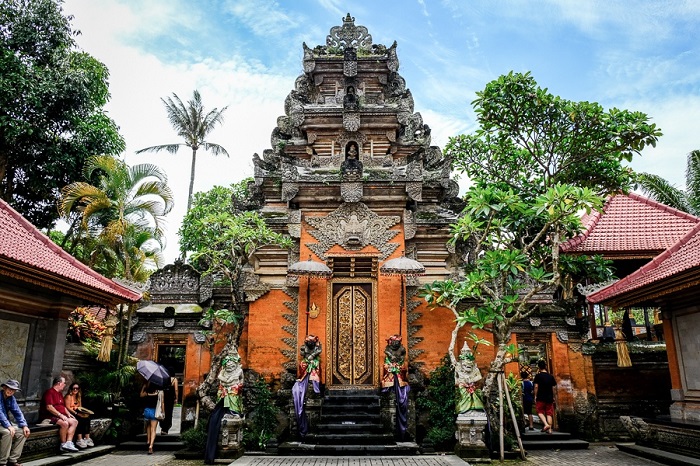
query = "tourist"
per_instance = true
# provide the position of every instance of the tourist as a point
(545, 398)
(53, 408)
(74, 404)
(149, 392)
(11, 438)
(169, 398)
(528, 396)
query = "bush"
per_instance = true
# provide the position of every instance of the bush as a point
(195, 439)
(262, 421)
(439, 401)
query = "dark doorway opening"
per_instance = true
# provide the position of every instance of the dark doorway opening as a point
(173, 358)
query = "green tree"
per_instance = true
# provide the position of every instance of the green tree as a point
(125, 210)
(663, 191)
(537, 161)
(223, 241)
(52, 99)
(193, 124)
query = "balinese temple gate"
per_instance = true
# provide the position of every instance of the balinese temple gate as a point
(352, 177)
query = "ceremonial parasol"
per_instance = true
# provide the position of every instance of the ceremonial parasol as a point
(404, 267)
(309, 269)
(153, 372)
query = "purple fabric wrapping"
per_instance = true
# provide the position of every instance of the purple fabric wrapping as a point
(401, 408)
(317, 386)
(298, 394)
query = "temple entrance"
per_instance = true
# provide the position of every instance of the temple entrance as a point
(352, 336)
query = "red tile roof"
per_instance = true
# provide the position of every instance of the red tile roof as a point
(29, 255)
(674, 269)
(631, 226)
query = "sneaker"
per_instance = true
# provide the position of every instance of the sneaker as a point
(68, 447)
(89, 442)
(81, 444)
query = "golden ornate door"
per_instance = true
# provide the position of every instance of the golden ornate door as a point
(352, 335)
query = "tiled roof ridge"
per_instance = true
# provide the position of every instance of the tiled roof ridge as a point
(619, 285)
(38, 234)
(595, 217)
(658, 205)
(592, 220)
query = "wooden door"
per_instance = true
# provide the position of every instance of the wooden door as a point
(352, 335)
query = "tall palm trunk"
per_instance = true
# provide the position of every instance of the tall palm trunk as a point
(194, 161)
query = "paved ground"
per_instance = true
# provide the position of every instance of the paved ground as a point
(596, 455)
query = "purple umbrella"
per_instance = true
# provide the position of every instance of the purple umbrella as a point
(153, 372)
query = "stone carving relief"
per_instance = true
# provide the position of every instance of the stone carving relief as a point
(353, 226)
(351, 192)
(351, 121)
(252, 286)
(174, 278)
(350, 62)
(409, 224)
(348, 35)
(415, 190)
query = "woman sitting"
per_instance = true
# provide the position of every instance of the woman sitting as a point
(74, 405)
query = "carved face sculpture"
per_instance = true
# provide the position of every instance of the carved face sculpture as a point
(352, 151)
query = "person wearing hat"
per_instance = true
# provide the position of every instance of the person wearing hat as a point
(11, 438)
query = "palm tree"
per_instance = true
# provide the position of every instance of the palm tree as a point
(662, 191)
(193, 125)
(124, 210)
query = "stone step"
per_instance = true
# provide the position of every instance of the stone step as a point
(158, 445)
(160, 438)
(299, 448)
(350, 426)
(349, 438)
(537, 435)
(661, 456)
(553, 444)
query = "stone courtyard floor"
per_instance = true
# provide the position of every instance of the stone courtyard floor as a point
(596, 454)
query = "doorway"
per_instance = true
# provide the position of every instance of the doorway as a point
(352, 335)
(172, 357)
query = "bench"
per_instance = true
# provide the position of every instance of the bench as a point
(42, 442)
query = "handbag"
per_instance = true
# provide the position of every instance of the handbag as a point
(160, 411)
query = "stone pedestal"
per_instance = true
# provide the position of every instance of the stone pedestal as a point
(98, 428)
(470, 436)
(231, 437)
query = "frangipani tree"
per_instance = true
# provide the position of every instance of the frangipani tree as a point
(223, 241)
(537, 162)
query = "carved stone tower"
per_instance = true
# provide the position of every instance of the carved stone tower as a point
(352, 178)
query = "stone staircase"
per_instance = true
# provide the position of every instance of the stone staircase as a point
(537, 440)
(350, 423)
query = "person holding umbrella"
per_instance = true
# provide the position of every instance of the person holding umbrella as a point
(156, 377)
(149, 392)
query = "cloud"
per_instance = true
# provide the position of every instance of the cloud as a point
(262, 17)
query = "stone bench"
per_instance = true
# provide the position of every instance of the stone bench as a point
(44, 440)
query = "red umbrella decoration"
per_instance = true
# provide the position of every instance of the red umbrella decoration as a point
(309, 269)
(404, 267)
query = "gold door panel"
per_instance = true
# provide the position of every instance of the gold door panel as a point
(352, 328)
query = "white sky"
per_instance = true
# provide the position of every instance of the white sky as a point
(632, 54)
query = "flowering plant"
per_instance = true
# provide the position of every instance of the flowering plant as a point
(83, 325)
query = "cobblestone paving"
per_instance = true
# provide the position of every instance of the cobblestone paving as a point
(596, 455)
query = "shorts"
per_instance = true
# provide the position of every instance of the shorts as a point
(545, 408)
(527, 407)
(149, 414)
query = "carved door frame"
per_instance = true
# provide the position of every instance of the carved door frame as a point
(373, 334)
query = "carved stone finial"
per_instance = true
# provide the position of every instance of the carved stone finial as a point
(349, 35)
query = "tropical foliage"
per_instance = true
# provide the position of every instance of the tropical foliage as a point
(52, 99)
(665, 192)
(536, 162)
(83, 325)
(193, 124)
(223, 240)
(125, 210)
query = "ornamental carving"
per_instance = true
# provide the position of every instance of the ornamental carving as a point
(177, 277)
(409, 224)
(289, 191)
(348, 35)
(535, 321)
(252, 286)
(351, 121)
(586, 290)
(353, 226)
(351, 192)
(414, 189)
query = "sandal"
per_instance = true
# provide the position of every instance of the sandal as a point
(150, 450)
